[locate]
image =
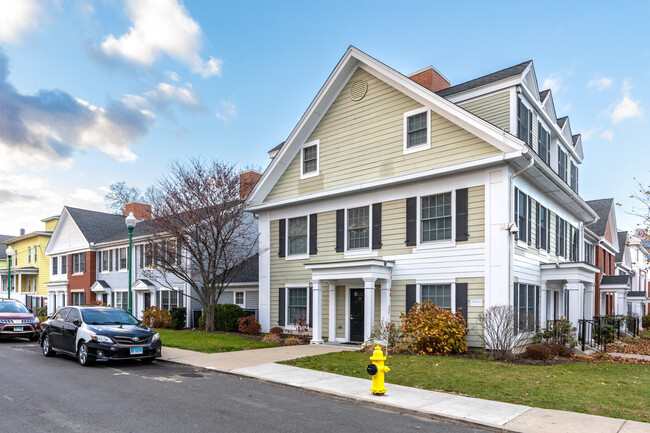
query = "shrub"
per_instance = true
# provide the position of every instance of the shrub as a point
(272, 338)
(292, 341)
(226, 315)
(539, 352)
(302, 328)
(387, 333)
(559, 331)
(201, 323)
(249, 325)
(276, 330)
(155, 317)
(645, 321)
(179, 317)
(497, 331)
(429, 329)
(560, 350)
(40, 311)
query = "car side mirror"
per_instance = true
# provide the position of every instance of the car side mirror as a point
(31, 311)
(77, 323)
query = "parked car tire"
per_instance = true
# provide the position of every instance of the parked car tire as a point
(82, 355)
(147, 360)
(47, 346)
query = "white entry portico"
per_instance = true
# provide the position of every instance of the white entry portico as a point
(364, 274)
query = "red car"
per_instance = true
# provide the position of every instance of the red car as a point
(17, 321)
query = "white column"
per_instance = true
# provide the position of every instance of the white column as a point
(368, 306)
(385, 301)
(589, 303)
(332, 311)
(265, 271)
(543, 314)
(20, 283)
(317, 312)
(574, 289)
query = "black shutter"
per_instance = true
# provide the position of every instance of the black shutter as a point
(461, 299)
(98, 259)
(340, 230)
(537, 309)
(516, 198)
(311, 307)
(411, 221)
(410, 297)
(282, 232)
(530, 129)
(530, 217)
(537, 224)
(110, 259)
(141, 255)
(461, 215)
(313, 235)
(179, 250)
(281, 312)
(376, 226)
(516, 302)
(548, 230)
(557, 235)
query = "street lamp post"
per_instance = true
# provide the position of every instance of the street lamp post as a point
(10, 252)
(130, 224)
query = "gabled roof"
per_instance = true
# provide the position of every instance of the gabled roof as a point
(98, 227)
(486, 79)
(543, 94)
(249, 272)
(622, 240)
(562, 120)
(3, 242)
(615, 280)
(602, 208)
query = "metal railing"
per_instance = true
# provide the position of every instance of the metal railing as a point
(632, 325)
(603, 330)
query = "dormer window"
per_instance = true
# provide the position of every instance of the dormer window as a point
(309, 160)
(543, 143)
(525, 121)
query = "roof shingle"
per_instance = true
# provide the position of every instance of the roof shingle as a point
(602, 208)
(486, 79)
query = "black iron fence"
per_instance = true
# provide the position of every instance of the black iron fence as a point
(603, 330)
(632, 325)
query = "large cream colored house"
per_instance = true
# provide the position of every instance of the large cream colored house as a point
(394, 189)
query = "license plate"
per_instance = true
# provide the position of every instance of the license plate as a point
(136, 351)
(18, 329)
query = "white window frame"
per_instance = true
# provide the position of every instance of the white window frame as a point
(538, 316)
(74, 262)
(418, 290)
(304, 175)
(442, 242)
(29, 255)
(287, 324)
(358, 252)
(103, 254)
(119, 267)
(35, 252)
(301, 256)
(170, 291)
(234, 298)
(125, 297)
(542, 123)
(420, 147)
(53, 267)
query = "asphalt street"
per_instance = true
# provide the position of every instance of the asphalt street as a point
(39, 394)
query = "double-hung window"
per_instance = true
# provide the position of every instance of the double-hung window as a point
(168, 299)
(525, 123)
(35, 253)
(122, 300)
(122, 260)
(55, 265)
(439, 294)
(104, 256)
(239, 299)
(435, 217)
(522, 215)
(29, 255)
(543, 239)
(589, 253)
(358, 228)
(543, 143)
(417, 130)
(64, 263)
(297, 304)
(526, 312)
(297, 238)
(79, 298)
(560, 247)
(574, 177)
(562, 164)
(574, 243)
(309, 160)
(78, 263)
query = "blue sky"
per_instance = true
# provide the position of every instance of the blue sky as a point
(107, 93)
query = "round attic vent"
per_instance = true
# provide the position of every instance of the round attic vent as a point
(358, 90)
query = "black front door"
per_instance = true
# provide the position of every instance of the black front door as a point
(147, 300)
(356, 315)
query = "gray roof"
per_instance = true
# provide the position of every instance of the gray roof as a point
(602, 208)
(562, 120)
(278, 147)
(249, 272)
(615, 279)
(105, 227)
(486, 79)
(575, 138)
(104, 284)
(144, 281)
(542, 94)
(639, 294)
(622, 239)
(3, 240)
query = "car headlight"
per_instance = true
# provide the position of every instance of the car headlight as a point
(156, 337)
(36, 320)
(102, 338)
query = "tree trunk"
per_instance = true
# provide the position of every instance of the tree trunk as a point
(209, 318)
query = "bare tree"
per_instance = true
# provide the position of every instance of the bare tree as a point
(642, 210)
(203, 236)
(120, 194)
(498, 332)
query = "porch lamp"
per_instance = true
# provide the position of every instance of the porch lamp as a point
(10, 252)
(130, 224)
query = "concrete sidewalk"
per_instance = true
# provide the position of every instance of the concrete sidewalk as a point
(260, 364)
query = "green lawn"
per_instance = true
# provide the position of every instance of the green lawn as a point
(645, 334)
(613, 390)
(208, 342)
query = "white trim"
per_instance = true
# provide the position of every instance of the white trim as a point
(301, 256)
(358, 252)
(486, 90)
(451, 242)
(419, 147)
(234, 298)
(429, 282)
(302, 164)
(287, 286)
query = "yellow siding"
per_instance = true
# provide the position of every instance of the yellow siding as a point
(363, 141)
(51, 225)
(476, 214)
(475, 290)
(341, 293)
(393, 228)
(494, 109)
(42, 263)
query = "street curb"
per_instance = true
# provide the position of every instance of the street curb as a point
(362, 402)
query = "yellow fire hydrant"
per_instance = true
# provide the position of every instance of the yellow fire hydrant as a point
(377, 370)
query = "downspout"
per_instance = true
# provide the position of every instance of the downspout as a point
(511, 249)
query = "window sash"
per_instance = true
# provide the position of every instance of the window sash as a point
(55, 265)
(416, 130)
(522, 222)
(542, 227)
(296, 304)
(439, 294)
(123, 258)
(297, 235)
(309, 159)
(239, 298)
(64, 267)
(168, 299)
(435, 217)
(527, 310)
(358, 228)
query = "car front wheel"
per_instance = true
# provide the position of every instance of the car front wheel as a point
(47, 346)
(82, 355)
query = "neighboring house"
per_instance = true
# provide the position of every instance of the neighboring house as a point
(30, 267)
(3, 263)
(396, 189)
(632, 260)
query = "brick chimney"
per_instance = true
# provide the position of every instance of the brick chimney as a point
(247, 181)
(140, 211)
(430, 78)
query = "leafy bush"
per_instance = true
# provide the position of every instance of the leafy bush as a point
(645, 321)
(302, 328)
(155, 317)
(201, 323)
(272, 338)
(431, 330)
(497, 331)
(559, 331)
(226, 315)
(292, 341)
(249, 325)
(560, 350)
(539, 352)
(179, 317)
(40, 311)
(276, 330)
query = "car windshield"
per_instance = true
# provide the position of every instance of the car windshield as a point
(108, 317)
(12, 307)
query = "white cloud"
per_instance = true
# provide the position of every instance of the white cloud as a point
(165, 94)
(556, 81)
(87, 195)
(627, 108)
(16, 18)
(607, 135)
(597, 131)
(600, 84)
(567, 107)
(160, 27)
(228, 111)
(172, 76)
